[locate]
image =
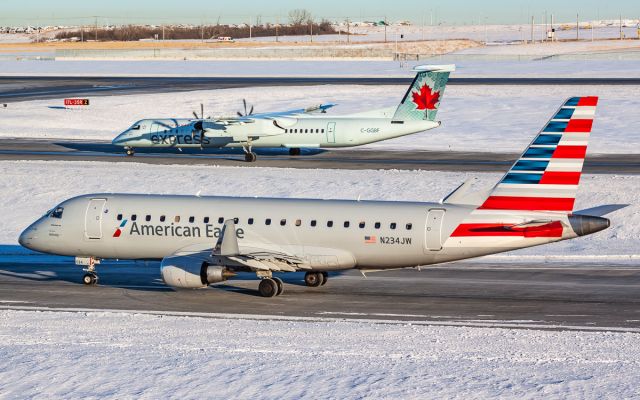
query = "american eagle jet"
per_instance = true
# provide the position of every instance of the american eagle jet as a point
(310, 127)
(204, 240)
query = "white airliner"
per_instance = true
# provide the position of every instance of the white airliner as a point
(204, 240)
(300, 128)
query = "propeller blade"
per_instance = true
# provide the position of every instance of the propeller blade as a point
(244, 102)
(195, 115)
(251, 111)
(201, 110)
(239, 114)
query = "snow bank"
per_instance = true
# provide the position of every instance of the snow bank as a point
(477, 118)
(123, 355)
(31, 187)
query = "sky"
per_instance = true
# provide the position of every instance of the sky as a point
(451, 12)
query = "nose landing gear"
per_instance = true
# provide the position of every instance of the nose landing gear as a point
(130, 151)
(91, 276)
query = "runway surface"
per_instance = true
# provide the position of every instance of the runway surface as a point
(30, 88)
(598, 295)
(33, 149)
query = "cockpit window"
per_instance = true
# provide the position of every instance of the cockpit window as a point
(57, 212)
(135, 127)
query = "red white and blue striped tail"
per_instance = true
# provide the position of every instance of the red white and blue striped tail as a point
(546, 176)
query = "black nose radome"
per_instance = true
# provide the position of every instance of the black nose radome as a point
(587, 224)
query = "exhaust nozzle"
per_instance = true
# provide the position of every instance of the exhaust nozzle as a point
(587, 224)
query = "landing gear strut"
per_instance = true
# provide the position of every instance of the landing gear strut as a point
(130, 151)
(315, 279)
(249, 155)
(91, 276)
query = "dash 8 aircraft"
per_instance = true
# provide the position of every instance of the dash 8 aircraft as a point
(308, 127)
(204, 240)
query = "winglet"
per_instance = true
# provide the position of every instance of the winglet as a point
(227, 244)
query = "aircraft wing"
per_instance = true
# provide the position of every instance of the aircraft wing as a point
(227, 252)
(275, 115)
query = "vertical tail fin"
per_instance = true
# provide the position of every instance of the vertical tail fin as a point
(547, 174)
(423, 97)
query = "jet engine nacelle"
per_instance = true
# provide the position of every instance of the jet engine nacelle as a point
(192, 272)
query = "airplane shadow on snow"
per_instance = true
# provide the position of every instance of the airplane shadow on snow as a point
(108, 148)
(19, 263)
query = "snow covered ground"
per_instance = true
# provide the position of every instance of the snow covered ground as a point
(30, 188)
(97, 354)
(478, 118)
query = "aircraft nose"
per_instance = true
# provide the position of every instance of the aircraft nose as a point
(120, 139)
(27, 237)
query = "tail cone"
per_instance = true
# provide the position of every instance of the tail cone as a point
(586, 224)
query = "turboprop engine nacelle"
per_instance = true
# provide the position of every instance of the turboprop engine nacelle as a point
(192, 273)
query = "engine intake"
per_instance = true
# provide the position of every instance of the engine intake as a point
(192, 273)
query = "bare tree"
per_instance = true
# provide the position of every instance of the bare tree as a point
(299, 16)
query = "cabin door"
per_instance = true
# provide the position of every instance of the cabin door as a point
(93, 219)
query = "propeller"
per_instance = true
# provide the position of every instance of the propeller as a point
(198, 125)
(246, 114)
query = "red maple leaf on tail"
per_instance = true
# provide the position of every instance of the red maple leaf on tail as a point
(425, 99)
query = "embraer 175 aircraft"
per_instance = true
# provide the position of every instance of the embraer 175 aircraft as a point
(300, 128)
(205, 240)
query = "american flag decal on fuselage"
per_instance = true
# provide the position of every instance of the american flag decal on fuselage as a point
(369, 239)
(546, 176)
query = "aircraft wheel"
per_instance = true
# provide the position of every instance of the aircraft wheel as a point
(313, 279)
(294, 151)
(130, 152)
(280, 285)
(325, 278)
(268, 287)
(250, 157)
(90, 279)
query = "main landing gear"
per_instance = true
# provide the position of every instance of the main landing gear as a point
(130, 151)
(270, 287)
(315, 279)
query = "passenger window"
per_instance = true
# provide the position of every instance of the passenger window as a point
(313, 222)
(206, 220)
(361, 224)
(134, 217)
(317, 130)
(322, 131)
(286, 131)
(236, 220)
(346, 224)
(162, 218)
(283, 222)
(192, 219)
(147, 218)
(119, 218)
(298, 222)
(376, 225)
(250, 221)
(329, 224)
(306, 131)
(267, 221)
(409, 226)
(392, 225)
(220, 220)
(177, 218)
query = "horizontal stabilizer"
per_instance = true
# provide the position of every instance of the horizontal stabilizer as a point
(600, 211)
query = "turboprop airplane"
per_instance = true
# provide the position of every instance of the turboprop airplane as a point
(300, 128)
(205, 240)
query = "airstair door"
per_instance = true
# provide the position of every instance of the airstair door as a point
(93, 219)
(331, 132)
(433, 234)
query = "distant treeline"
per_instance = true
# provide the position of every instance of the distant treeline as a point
(135, 32)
